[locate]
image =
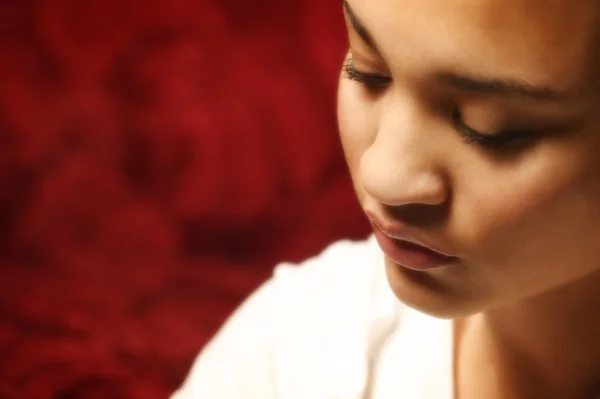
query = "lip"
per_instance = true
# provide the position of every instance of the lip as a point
(405, 250)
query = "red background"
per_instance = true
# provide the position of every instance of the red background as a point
(157, 159)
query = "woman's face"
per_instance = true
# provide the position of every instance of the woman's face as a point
(472, 126)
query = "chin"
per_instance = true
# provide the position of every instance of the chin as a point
(427, 294)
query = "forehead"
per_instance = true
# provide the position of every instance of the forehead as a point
(546, 42)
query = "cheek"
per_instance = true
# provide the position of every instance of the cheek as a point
(538, 224)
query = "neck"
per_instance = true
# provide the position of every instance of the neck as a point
(552, 339)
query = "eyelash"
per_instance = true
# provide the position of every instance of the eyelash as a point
(489, 141)
(372, 81)
(470, 136)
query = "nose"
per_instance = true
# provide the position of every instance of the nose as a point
(402, 165)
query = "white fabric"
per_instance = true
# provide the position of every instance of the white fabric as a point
(327, 329)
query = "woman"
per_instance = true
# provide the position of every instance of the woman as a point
(472, 133)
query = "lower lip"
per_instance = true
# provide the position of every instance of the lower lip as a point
(409, 255)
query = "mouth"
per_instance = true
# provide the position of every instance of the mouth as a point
(407, 251)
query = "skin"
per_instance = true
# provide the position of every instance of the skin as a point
(523, 220)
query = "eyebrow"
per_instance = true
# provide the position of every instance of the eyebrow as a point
(468, 83)
(359, 27)
(503, 87)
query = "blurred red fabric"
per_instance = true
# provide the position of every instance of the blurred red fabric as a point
(157, 159)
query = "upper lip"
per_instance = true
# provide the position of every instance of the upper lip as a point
(397, 232)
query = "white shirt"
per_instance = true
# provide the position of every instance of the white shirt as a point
(328, 329)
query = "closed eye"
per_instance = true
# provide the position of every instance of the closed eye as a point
(492, 141)
(372, 81)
